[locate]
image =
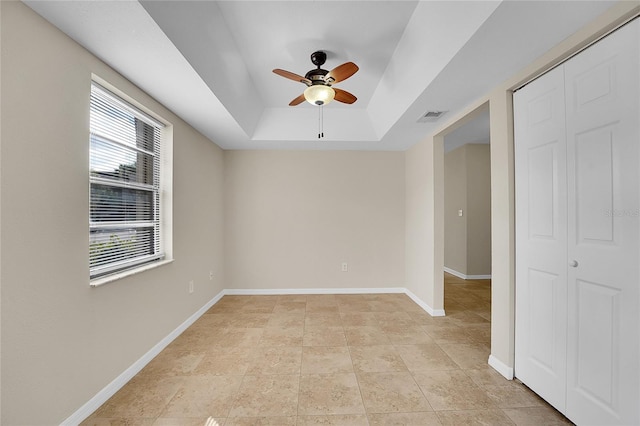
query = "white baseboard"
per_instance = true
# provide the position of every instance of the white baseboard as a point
(108, 391)
(423, 305)
(501, 367)
(466, 277)
(284, 291)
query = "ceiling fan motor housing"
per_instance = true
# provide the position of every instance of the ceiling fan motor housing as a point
(318, 58)
(316, 76)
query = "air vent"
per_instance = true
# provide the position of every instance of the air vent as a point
(430, 116)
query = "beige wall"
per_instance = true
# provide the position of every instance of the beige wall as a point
(292, 218)
(455, 198)
(63, 341)
(424, 223)
(479, 209)
(467, 187)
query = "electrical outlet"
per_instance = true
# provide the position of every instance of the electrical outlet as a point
(210, 275)
(191, 287)
(345, 267)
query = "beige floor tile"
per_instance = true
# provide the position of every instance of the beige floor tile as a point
(404, 419)
(219, 361)
(452, 390)
(133, 421)
(196, 339)
(329, 394)
(394, 319)
(474, 417)
(322, 319)
(371, 359)
(510, 396)
(326, 359)
(391, 392)
(265, 307)
(534, 416)
(286, 320)
(445, 334)
(486, 314)
(407, 335)
(354, 307)
(202, 396)
(479, 333)
(334, 420)
(141, 397)
(247, 320)
(322, 308)
(290, 307)
(382, 305)
(287, 298)
(267, 396)
(382, 331)
(188, 421)
(467, 318)
(261, 421)
(289, 336)
(358, 319)
(347, 299)
(409, 306)
(324, 336)
(468, 356)
(228, 305)
(236, 337)
(419, 358)
(423, 318)
(364, 336)
(487, 376)
(322, 299)
(172, 362)
(276, 360)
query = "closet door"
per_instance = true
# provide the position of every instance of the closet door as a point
(603, 115)
(541, 237)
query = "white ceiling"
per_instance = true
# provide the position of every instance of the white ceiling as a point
(210, 61)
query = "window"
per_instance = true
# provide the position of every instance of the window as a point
(125, 223)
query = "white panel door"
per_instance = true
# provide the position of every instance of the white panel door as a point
(541, 237)
(577, 137)
(603, 116)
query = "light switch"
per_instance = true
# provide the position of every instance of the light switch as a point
(460, 212)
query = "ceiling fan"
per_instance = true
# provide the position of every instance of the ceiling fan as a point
(319, 82)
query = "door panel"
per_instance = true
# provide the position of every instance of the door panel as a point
(541, 229)
(543, 288)
(598, 323)
(577, 157)
(602, 89)
(594, 185)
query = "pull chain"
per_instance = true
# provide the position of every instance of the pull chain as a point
(321, 122)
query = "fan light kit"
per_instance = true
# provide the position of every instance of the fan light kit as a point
(319, 83)
(319, 94)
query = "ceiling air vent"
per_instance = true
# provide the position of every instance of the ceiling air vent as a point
(430, 116)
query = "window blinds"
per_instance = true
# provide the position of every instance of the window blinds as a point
(124, 178)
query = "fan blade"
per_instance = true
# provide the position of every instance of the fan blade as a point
(344, 96)
(297, 101)
(341, 72)
(292, 76)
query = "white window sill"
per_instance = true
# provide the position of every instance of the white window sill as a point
(119, 275)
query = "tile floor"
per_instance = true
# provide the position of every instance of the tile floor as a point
(330, 360)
